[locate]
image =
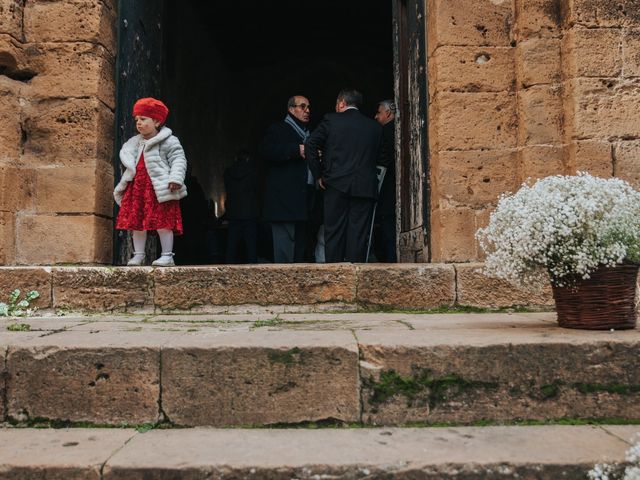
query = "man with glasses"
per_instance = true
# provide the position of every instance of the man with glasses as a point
(288, 180)
(350, 146)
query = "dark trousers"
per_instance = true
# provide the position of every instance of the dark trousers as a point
(289, 241)
(347, 221)
(242, 232)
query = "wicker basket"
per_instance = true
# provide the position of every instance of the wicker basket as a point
(605, 301)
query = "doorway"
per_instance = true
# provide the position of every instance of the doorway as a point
(226, 72)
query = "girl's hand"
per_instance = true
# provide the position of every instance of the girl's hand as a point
(174, 186)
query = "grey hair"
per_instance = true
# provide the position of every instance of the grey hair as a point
(389, 105)
(291, 103)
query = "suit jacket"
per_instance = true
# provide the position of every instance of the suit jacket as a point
(285, 197)
(350, 146)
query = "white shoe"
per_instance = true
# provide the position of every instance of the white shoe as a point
(165, 260)
(136, 260)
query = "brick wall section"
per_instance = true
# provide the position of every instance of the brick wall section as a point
(602, 79)
(56, 130)
(525, 89)
(473, 118)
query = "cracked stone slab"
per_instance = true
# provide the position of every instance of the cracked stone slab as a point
(545, 453)
(307, 284)
(260, 377)
(103, 378)
(76, 454)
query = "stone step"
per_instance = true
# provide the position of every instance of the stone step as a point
(362, 368)
(272, 287)
(470, 453)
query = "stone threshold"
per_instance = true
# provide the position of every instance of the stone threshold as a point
(268, 287)
(366, 368)
(543, 452)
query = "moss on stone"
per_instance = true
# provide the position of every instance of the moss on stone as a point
(436, 389)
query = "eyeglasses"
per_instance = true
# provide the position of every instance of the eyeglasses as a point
(303, 106)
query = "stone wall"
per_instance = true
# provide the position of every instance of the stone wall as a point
(56, 130)
(525, 89)
(517, 89)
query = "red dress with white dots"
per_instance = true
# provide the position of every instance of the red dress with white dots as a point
(140, 209)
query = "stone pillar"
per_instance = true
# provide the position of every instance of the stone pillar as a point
(56, 131)
(473, 119)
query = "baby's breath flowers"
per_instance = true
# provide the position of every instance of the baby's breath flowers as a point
(562, 228)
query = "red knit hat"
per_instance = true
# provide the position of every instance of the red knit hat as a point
(152, 108)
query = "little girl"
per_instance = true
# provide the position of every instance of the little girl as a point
(153, 182)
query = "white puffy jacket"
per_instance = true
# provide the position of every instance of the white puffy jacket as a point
(165, 162)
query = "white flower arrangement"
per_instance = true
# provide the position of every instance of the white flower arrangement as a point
(562, 228)
(603, 471)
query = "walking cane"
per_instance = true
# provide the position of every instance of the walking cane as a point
(380, 171)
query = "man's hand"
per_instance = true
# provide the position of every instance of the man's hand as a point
(302, 151)
(174, 186)
(321, 184)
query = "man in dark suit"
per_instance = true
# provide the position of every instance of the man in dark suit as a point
(288, 180)
(342, 154)
(386, 209)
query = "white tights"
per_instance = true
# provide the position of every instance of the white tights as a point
(140, 239)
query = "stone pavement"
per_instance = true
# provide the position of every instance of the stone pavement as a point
(363, 368)
(540, 452)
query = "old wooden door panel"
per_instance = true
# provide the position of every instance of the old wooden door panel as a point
(138, 71)
(411, 130)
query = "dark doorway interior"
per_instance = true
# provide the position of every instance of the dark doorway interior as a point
(229, 68)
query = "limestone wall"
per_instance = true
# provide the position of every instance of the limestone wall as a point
(526, 88)
(56, 130)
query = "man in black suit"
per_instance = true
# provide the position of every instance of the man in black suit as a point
(342, 154)
(288, 180)
(386, 209)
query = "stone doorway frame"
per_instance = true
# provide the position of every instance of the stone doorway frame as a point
(139, 46)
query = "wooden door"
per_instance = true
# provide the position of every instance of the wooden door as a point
(138, 74)
(412, 162)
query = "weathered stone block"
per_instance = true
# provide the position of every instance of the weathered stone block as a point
(541, 114)
(71, 21)
(100, 289)
(591, 156)
(280, 377)
(406, 286)
(606, 108)
(185, 288)
(11, 12)
(476, 289)
(74, 190)
(538, 61)
(16, 188)
(604, 13)
(477, 178)
(540, 18)
(92, 66)
(627, 163)
(593, 52)
(471, 22)
(431, 378)
(631, 53)
(473, 69)
(541, 161)
(69, 239)
(26, 279)
(7, 238)
(59, 454)
(475, 121)
(453, 231)
(76, 132)
(106, 378)
(10, 119)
